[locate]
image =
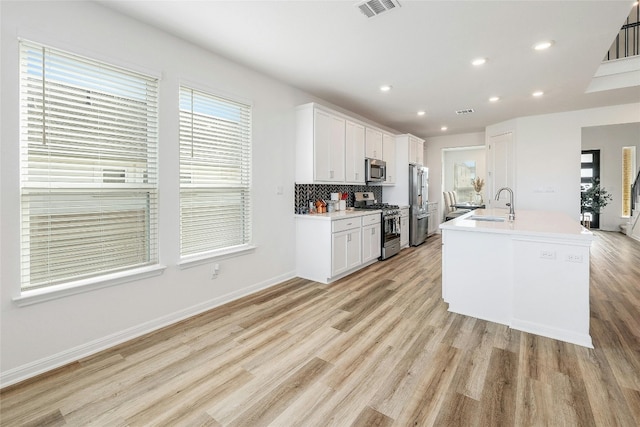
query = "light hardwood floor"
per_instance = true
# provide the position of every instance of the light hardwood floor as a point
(378, 348)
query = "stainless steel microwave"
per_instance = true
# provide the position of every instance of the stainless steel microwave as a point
(375, 170)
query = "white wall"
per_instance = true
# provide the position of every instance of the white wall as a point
(548, 154)
(610, 140)
(433, 159)
(41, 336)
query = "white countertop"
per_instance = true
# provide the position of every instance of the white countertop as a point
(527, 223)
(331, 216)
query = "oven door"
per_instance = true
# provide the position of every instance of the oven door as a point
(391, 236)
(391, 225)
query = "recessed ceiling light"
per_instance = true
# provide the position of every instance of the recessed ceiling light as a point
(385, 88)
(543, 45)
(479, 61)
(538, 93)
(494, 99)
(443, 128)
(421, 113)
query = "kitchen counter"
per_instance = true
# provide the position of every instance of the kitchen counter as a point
(331, 216)
(531, 274)
(527, 223)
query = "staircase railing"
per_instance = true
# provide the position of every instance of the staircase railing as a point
(627, 42)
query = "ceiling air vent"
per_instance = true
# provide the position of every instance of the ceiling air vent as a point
(373, 8)
(465, 111)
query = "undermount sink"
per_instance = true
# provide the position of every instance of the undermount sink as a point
(487, 218)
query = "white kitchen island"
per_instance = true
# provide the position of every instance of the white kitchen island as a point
(531, 274)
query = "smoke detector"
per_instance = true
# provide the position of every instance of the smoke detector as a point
(465, 111)
(373, 8)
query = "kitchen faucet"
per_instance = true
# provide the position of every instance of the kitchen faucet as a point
(512, 214)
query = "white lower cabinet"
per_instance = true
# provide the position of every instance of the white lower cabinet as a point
(346, 250)
(371, 238)
(331, 246)
(404, 227)
(434, 219)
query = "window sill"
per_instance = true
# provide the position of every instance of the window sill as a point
(199, 259)
(72, 288)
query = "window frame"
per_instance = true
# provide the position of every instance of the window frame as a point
(97, 278)
(195, 259)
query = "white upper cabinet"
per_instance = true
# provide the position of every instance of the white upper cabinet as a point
(416, 150)
(408, 150)
(320, 146)
(354, 153)
(331, 147)
(373, 143)
(389, 156)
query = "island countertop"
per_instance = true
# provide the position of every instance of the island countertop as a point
(526, 223)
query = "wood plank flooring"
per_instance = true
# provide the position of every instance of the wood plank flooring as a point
(378, 348)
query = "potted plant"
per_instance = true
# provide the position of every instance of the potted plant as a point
(478, 184)
(594, 198)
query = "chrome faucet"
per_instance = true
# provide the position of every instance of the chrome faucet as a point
(512, 214)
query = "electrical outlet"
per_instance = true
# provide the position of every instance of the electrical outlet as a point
(574, 258)
(548, 254)
(215, 269)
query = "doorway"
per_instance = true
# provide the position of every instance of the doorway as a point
(589, 171)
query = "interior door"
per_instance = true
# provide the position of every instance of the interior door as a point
(590, 170)
(500, 168)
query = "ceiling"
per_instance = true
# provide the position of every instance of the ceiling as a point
(423, 49)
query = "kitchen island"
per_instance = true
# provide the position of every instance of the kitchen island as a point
(531, 273)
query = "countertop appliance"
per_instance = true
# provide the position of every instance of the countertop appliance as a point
(390, 240)
(375, 170)
(418, 198)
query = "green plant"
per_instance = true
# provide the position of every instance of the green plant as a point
(594, 198)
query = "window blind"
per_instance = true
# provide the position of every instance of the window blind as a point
(88, 168)
(215, 173)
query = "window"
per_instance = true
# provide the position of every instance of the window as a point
(628, 169)
(88, 171)
(215, 174)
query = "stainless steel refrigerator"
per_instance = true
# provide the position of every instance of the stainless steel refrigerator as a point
(418, 197)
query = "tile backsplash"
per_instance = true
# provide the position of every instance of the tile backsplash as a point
(306, 192)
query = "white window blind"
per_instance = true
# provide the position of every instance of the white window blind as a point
(88, 168)
(215, 173)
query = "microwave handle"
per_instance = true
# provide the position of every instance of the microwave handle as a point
(384, 172)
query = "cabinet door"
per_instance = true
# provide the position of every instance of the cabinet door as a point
(329, 135)
(339, 252)
(413, 149)
(404, 231)
(354, 153)
(434, 223)
(389, 156)
(371, 242)
(354, 248)
(336, 170)
(416, 154)
(420, 153)
(373, 143)
(345, 251)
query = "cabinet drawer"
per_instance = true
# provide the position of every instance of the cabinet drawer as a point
(345, 224)
(371, 219)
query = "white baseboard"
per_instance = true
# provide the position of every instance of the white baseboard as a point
(43, 365)
(554, 333)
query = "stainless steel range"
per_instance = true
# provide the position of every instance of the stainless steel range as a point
(390, 240)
